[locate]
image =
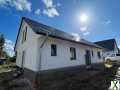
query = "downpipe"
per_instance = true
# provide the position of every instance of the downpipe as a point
(37, 81)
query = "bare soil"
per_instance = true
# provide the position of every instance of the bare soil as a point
(87, 80)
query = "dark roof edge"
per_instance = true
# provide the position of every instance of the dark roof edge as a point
(55, 37)
(18, 32)
(72, 41)
(116, 44)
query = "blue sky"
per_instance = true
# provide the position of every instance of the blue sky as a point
(103, 17)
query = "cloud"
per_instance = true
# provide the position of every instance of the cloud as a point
(48, 3)
(106, 22)
(37, 12)
(50, 9)
(9, 47)
(20, 5)
(119, 46)
(83, 28)
(51, 12)
(86, 33)
(76, 36)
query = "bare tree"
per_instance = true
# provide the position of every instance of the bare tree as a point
(2, 42)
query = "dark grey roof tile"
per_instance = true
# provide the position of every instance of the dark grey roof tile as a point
(43, 29)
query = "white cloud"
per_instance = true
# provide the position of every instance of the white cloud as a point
(76, 36)
(119, 46)
(9, 47)
(37, 12)
(50, 10)
(86, 33)
(48, 3)
(20, 5)
(83, 28)
(106, 22)
(2, 2)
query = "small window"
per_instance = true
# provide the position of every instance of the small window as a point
(24, 36)
(53, 50)
(16, 54)
(73, 53)
(92, 53)
(99, 54)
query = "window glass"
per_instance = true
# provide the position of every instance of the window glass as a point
(99, 54)
(92, 53)
(53, 50)
(24, 35)
(73, 53)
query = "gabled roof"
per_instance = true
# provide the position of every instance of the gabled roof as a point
(108, 44)
(40, 28)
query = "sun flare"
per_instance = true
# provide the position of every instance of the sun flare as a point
(83, 18)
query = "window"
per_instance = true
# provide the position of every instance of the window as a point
(53, 50)
(92, 53)
(24, 35)
(73, 53)
(16, 54)
(99, 54)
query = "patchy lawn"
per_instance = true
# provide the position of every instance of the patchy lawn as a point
(7, 67)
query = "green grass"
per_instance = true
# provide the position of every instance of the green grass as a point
(7, 67)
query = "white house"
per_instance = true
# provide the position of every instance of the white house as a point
(40, 47)
(110, 46)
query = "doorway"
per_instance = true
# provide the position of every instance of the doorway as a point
(23, 60)
(88, 57)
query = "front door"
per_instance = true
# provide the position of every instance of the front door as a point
(23, 60)
(88, 57)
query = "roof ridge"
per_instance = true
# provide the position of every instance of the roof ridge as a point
(105, 40)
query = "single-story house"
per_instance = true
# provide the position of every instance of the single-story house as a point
(40, 47)
(110, 45)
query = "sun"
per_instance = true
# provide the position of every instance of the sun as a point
(83, 18)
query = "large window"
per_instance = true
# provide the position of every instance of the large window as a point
(24, 36)
(53, 50)
(99, 54)
(73, 53)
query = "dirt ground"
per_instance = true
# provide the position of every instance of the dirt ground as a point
(89, 80)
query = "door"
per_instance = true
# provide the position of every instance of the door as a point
(23, 59)
(88, 57)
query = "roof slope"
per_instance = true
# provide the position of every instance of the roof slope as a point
(39, 28)
(108, 44)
